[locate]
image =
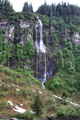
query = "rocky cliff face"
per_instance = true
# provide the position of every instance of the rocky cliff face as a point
(45, 60)
(16, 32)
(76, 38)
(21, 33)
(46, 41)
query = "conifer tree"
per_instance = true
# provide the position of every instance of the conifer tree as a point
(37, 105)
(30, 7)
(25, 7)
(0, 5)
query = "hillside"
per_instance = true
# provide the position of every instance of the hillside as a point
(19, 88)
(40, 50)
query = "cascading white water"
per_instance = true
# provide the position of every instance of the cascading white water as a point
(40, 46)
(45, 69)
(41, 49)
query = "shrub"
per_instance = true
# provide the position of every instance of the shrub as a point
(65, 94)
(26, 92)
(67, 113)
(77, 76)
(8, 79)
(27, 115)
(71, 112)
(63, 102)
(66, 52)
(69, 46)
(61, 113)
(19, 69)
(1, 67)
(7, 87)
(18, 93)
(61, 61)
(65, 42)
(55, 83)
(20, 81)
(0, 81)
(5, 70)
(69, 67)
(4, 105)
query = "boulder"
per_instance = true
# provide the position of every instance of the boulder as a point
(14, 119)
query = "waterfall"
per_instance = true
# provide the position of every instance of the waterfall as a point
(41, 62)
(45, 68)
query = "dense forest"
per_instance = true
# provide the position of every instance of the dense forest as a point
(22, 67)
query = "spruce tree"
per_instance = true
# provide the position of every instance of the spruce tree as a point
(30, 8)
(37, 105)
(7, 7)
(25, 7)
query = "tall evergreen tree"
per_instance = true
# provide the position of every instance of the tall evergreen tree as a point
(37, 105)
(53, 9)
(44, 9)
(30, 8)
(5, 7)
(25, 7)
(0, 5)
(63, 10)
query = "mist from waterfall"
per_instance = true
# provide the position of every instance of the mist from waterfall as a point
(41, 51)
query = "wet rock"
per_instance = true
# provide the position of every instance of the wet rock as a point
(24, 24)
(44, 58)
(14, 119)
(76, 38)
(52, 28)
(29, 37)
(4, 24)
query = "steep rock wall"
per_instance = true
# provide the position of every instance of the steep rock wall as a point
(23, 32)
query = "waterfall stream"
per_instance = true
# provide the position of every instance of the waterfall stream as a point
(45, 68)
(40, 46)
(41, 51)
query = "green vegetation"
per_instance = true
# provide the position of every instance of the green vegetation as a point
(20, 79)
(65, 85)
(17, 51)
(27, 8)
(37, 105)
(77, 58)
(67, 11)
(67, 113)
